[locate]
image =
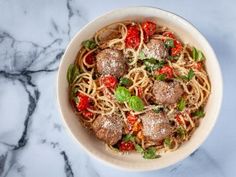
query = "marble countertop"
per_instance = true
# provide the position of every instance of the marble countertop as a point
(33, 36)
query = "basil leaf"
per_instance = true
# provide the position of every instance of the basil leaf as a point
(181, 104)
(197, 54)
(167, 141)
(74, 92)
(136, 103)
(199, 113)
(150, 153)
(152, 64)
(190, 75)
(76, 100)
(169, 43)
(181, 132)
(89, 44)
(160, 77)
(122, 94)
(138, 148)
(194, 53)
(141, 55)
(129, 137)
(125, 81)
(72, 73)
(200, 56)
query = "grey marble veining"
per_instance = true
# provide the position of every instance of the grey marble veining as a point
(33, 37)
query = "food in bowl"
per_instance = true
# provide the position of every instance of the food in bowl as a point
(138, 87)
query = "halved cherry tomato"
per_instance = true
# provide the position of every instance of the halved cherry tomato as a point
(126, 146)
(90, 59)
(109, 81)
(198, 66)
(177, 49)
(178, 119)
(167, 70)
(140, 91)
(169, 34)
(87, 114)
(132, 39)
(83, 102)
(149, 28)
(131, 119)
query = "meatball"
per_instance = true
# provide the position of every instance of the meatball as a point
(111, 62)
(156, 126)
(108, 128)
(156, 49)
(167, 92)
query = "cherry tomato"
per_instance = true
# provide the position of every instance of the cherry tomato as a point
(167, 70)
(109, 81)
(149, 28)
(169, 34)
(132, 39)
(83, 102)
(177, 49)
(131, 119)
(126, 146)
(87, 114)
(198, 66)
(90, 59)
(178, 119)
(140, 91)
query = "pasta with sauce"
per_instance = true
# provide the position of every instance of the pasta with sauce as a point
(138, 87)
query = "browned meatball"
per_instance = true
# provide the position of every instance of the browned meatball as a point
(111, 62)
(156, 126)
(167, 92)
(108, 128)
(156, 49)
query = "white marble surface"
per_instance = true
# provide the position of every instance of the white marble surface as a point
(33, 36)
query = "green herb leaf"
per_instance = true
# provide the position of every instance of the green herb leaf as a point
(136, 103)
(167, 141)
(181, 131)
(76, 100)
(73, 92)
(153, 64)
(190, 75)
(157, 110)
(150, 153)
(181, 104)
(89, 44)
(160, 77)
(72, 73)
(199, 113)
(141, 55)
(169, 43)
(122, 94)
(138, 148)
(197, 54)
(129, 137)
(125, 81)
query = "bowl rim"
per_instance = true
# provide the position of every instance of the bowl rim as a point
(151, 168)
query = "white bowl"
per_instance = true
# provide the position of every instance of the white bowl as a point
(135, 162)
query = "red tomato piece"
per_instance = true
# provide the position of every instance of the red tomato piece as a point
(87, 114)
(167, 70)
(126, 146)
(140, 91)
(90, 59)
(198, 66)
(131, 119)
(149, 28)
(109, 81)
(178, 119)
(83, 102)
(132, 39)
(177, 49)
(169, 34)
